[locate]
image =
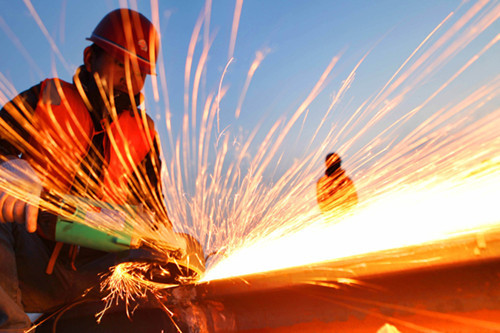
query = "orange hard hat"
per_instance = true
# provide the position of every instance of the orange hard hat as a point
(125, 33)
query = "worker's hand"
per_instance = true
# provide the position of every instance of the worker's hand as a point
(20, 190)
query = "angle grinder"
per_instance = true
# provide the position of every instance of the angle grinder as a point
(109, 227)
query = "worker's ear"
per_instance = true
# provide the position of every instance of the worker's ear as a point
(87, 58)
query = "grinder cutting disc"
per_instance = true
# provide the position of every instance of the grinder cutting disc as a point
(172, 267)
(194, 260)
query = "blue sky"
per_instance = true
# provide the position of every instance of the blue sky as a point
(301, 38)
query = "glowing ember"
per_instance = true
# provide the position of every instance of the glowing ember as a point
(413, 215)
(127, 282)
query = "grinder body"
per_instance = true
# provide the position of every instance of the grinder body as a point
(73, 224)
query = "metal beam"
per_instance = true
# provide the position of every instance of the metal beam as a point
(448, 286)
(451, 286)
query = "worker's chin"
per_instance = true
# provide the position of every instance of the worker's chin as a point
(123, 101)
(121, 88)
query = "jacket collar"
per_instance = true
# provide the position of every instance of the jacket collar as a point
(94, 101)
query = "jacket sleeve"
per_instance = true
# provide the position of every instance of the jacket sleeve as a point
(14, 118)
(149, 189)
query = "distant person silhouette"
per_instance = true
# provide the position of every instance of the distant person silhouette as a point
(335, 190)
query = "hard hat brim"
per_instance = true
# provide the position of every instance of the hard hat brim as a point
(120, 53)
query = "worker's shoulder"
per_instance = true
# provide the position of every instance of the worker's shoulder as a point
(323, 182)
(143, 117)
(28, 97)
(150, 122)
(54, 91)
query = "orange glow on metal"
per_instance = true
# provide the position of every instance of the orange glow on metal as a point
(416, 214)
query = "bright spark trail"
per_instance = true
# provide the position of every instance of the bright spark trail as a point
(444, 170)
(434, 182)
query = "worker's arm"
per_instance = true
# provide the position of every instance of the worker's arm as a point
(20, 190)
(20, 186)
(147, 186)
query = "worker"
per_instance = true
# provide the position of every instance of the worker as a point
(88, 138)
(335, 191)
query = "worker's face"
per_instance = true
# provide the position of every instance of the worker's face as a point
(115, 75)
